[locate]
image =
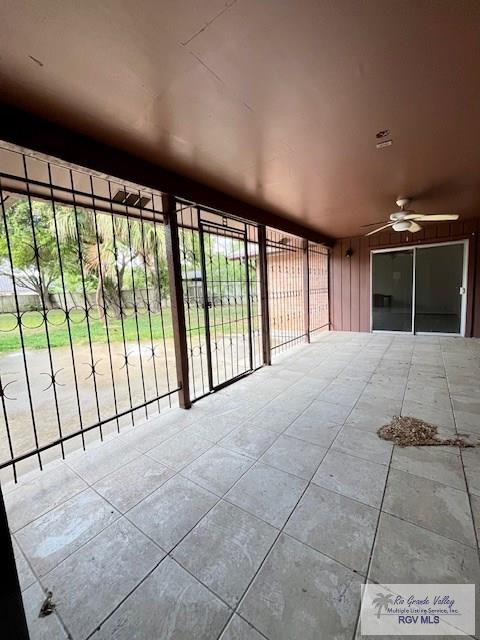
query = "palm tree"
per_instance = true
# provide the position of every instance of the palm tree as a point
(100, 247)
(381, 601)
(108, 246)
(148, 241)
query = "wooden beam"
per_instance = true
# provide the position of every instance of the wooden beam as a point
(54, 142)
(172, 247)
(329, 287)
(306, 290)
(263, 274)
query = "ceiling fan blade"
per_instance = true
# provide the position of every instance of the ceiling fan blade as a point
(437, 217)
(414, 227)
(372, 224)
(370, 233)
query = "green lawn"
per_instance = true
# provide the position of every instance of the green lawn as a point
(35, 336)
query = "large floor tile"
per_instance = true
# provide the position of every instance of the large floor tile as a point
(180, 450)
(440, 417)
(467, 412)
(294, 401)
(24, 571)
(249, 440)
(89, 584)
(385, 386)
(313, 430)
(441, 464)
(267, 493)
(405, 553)
(51, 538)
(168, 605)
(367, 420)
(217, 469)
(96, 463)
(464, 385)
(369, 402)
(46, 628)
(127, 486)
(169, 513)
(43, 492)
(147, 436)
(339, 527)
(473, 479)
(300, 593)
(471, 463)
(214, 428)
(353, 477)
(430, 504)
(435, 395)
(294, 456)
(475, 502)
(363, 445)
(225, 550)
(342, 391)
(239, 629)
(327, 412)
(275, 418)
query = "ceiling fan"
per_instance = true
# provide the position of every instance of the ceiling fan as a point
(407, 220)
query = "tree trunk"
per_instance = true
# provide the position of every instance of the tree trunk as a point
(118, 296)
(156, 285)
(155, 300)
(45, 294)
(100, 300)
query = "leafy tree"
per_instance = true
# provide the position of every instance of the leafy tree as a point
(36, 270)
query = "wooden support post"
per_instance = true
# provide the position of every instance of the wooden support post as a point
(14, 624)
(263, 273)
(172, 246)
(329, 286)
(306, 290)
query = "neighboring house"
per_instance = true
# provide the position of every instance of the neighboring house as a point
(192, 286)
(27, 299)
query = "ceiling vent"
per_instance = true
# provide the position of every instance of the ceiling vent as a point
(130, 199)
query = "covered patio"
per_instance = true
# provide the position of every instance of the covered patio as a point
(237, 237)
(259, 512)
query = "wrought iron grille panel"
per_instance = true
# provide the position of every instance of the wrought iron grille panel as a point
(221, 291)
(318, 266)
(85, 323)
(86, 328)
(286, 290)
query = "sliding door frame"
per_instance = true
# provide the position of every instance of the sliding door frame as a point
(463, 312)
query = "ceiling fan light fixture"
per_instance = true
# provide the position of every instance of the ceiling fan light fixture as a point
(402, 225)
(408, 219)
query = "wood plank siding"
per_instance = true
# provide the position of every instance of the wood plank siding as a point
(350, 277)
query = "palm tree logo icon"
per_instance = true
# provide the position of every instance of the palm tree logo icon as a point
(382, 601)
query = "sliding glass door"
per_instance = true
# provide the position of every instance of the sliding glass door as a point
(439, 289)
(419, 290)
(392, 291)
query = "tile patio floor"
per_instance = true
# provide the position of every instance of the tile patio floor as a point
(259, 513)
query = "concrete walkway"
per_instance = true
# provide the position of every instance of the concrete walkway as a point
(259, 513)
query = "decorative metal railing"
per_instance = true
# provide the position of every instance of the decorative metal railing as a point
(318, 274)
(120, 302)
(97, 351)
(221, 288)
(286, 289)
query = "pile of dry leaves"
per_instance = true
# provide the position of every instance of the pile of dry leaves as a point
(406, 431)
